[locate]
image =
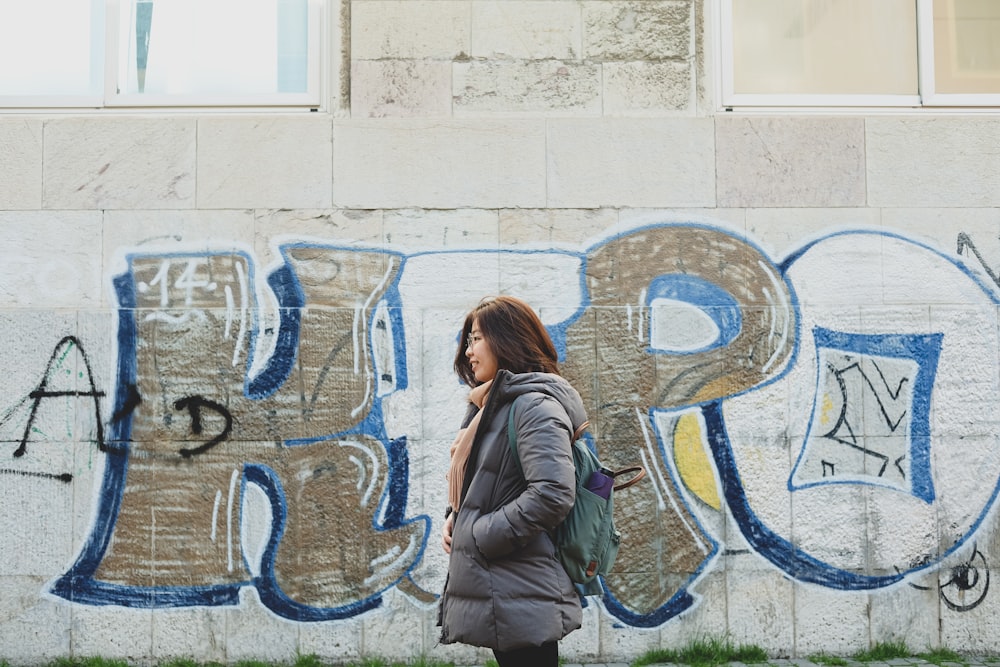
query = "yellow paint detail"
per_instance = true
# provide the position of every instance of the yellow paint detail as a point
(826, 407)
(692, 461)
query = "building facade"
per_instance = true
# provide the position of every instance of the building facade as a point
(229, 337)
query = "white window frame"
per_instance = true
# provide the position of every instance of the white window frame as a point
(926, 68)
(107, 17)
(925, 98)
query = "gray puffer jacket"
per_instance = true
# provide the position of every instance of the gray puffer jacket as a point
(506, 588)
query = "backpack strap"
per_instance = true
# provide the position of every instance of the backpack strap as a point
(637, 472)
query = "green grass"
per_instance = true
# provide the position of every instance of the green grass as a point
(705, 652)
(940, 656)
(883, 651)
(708, 652)
(301, 661)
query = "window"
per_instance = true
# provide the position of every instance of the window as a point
(140, 53)
(860, 52)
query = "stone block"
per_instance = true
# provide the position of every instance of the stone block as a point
(583, 645)
(902, 531)
(619, 640)
(338, 227)
(196, 633)
(647, 88)
(527, 87)
(160, 232)
(400, 88)
(932, 161)
(331, 641)
(34, 628)
(643, 162)
(393, 631)
(969, 619)
(112, 633)
(265, 162)
(907, 614)
(33, 487)
(829, 523)
(402, 409)
(705, 619)
(410, 29)
(729, 219)
(439, 164)
(790, 162)
(759, 610)
(51, 259)
(441, 230)
(782, 231)
(637, 30)
(970, 231)
(526, 29)
(119, 163)
(830, 621)
(554, 227)
(254, 633)
(549, 281)
(21, 167)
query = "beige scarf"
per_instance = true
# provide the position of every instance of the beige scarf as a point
(462, 447)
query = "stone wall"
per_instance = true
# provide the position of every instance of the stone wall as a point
(229, 399)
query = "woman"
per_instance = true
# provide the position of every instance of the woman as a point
(506, 589)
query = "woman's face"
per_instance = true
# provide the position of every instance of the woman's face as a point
(480, 355)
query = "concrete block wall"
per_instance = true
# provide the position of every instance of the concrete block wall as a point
(228, 340)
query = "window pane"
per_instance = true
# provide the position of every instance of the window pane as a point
(56, 45)
(825, 47)
(967, 46)
(214, 47)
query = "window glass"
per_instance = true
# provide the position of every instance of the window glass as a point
(51, 48)
(824, 47)
(213, 47)
(966, 46)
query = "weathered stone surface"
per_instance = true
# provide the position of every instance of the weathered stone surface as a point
(526, 29)
(400, 88)
(119, 163)
(265, 162)
(644, 162)
(647, 88)
(790, 161)
(434, 29)
(447, 164)
(933, 162)
(543, 87)
(52, 259)
(21, 166)
(637, 29)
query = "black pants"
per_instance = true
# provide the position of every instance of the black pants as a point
(546, 655)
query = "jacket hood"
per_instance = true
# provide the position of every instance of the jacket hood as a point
(507, 386)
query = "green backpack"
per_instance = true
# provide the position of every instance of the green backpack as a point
(587, 541)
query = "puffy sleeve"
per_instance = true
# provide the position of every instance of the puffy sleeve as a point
(544, 440)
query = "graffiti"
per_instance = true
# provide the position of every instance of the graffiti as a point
(194, 404)
(968, 583)
(643, 367)
(965, 244)
(964, 586)
(798, 400)
(66, 368)
(853, 404)
(306, 430)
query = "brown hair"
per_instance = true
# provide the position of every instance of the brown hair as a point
(514, 333)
